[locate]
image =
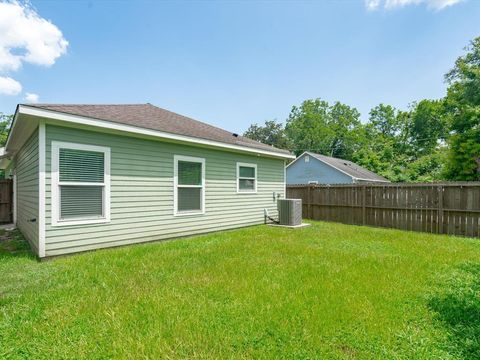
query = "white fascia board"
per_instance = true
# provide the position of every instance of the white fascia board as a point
(82, 120)
(12, 128)
(371, 180)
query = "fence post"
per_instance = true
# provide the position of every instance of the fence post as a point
(440, 210)
(309, 201)
(364, 196)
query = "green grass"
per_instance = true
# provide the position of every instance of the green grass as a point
(327, 291)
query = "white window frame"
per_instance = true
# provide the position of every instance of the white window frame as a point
(176, 159)
(55, 191)
(254, 191)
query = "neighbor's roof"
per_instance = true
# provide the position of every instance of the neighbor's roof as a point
(348, 167)
(148, 116)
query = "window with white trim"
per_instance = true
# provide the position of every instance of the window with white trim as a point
(189, 179)
(246, 178)
(80, 184)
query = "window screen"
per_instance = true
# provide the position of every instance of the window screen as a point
(81, 201)
(189, 199)
(81, 166)
(189, 173)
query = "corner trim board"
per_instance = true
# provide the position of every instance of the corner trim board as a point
(15, 198)
(41, 187)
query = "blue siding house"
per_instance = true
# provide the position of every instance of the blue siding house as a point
(311, 168)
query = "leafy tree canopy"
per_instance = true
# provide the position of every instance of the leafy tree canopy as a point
(5, 123)
(463, 109)
(272, 133)
(326, 129)
(434, 140)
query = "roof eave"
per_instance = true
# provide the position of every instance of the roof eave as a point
(373, 180)
(105, 124)
(296, 158)
(12, 126)
(346, 173)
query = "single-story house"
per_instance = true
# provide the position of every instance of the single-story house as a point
(312, 168)
(96, 176)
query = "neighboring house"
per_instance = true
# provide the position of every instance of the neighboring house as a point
(311, 168)
(96, 176)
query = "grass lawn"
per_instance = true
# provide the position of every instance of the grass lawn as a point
(329, 290)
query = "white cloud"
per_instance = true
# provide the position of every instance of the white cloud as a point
(9, 86)
(372, 4)
(27, 38)
(441, 4)
(395, 4)
(31, 98)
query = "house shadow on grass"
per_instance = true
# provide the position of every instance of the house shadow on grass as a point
(458, 309)
(13, 244)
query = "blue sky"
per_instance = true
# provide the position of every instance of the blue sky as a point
(236, 63)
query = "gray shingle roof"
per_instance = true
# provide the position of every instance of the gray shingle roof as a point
(349, 167)
(148, 116)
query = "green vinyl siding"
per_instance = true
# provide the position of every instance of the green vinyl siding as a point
(26, 170)
(142, 192)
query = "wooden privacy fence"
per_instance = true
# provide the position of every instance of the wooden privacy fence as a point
(440, 208)
(6, 199)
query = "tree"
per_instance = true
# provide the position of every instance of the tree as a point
(384, 121)
(318, 127)
(385, 148)
(433, 140)
(428, 126)
(272, 133)
(428, 167)
(5, 123)
(344, 122)
(405, 145)
(463, 109)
